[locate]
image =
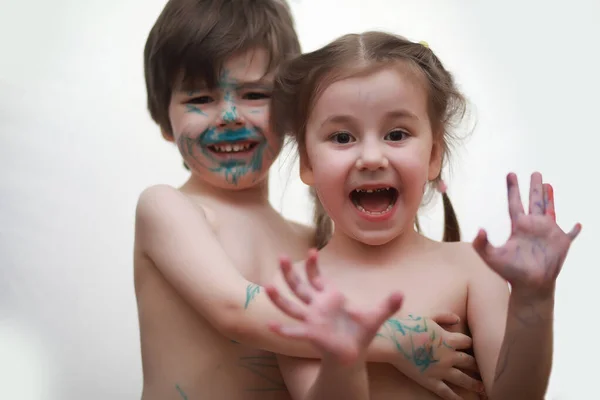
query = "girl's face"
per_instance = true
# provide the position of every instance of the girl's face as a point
(370, 152)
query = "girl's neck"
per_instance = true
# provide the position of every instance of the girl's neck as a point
(350, 250)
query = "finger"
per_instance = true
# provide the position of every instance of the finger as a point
(312, 270)
(574, 232)
(381, 313)
(459, 341)
(290, 332)
(463, 380)
(536, 194)
(300, 289)
(446, 318)
(482, 246)
(444, 391)
(465, 361)
(287, 307)
(491, 255)
(515, 205)
(549, 200)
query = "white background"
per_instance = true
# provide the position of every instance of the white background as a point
(77, 147)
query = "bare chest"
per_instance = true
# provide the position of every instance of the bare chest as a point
(427, 291)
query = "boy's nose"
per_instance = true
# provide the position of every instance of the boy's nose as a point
(229, 116)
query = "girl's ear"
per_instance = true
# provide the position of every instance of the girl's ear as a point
(435, 161)
(306, 172)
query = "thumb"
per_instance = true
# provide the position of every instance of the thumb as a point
(486, 251)
(445, 318)
(385, 310)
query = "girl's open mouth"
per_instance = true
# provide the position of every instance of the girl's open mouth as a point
(376, 201)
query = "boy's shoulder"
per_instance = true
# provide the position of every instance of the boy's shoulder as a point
(154, 199)
(305, 233)
(163, 205)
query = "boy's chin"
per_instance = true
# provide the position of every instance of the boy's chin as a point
(235, 182)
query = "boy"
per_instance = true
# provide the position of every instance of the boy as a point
(209, 68)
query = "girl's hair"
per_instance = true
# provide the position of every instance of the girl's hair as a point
(301, 81)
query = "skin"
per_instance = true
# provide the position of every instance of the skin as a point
(223, 211)
(236, 111)
(204, 251)
(512, 332)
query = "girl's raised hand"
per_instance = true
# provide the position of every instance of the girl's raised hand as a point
(533, 256)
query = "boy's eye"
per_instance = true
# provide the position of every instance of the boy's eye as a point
(200, 100)
(395, 136)
(256, 96)
(342, 137)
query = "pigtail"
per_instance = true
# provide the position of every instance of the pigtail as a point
(323, 224)
(451, 227)
(417, 224)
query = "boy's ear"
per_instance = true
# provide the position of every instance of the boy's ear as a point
(306, 173)
(167, 135)
(435, 161)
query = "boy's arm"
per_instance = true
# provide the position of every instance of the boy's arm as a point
(174, 233)
(176, 236)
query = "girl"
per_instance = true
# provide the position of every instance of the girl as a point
(372, 115)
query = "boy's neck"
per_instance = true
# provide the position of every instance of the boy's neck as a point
(257, 195)
(354, 252)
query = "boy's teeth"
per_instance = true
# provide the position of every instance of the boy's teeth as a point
(231, 148)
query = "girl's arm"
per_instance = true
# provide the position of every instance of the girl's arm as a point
(531, 261)
(340, 335)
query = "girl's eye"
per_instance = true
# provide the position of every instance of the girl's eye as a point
(200, 100)
(395, 136)
(342, 137)
(256, 96)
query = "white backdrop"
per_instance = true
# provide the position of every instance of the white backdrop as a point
(77, 147)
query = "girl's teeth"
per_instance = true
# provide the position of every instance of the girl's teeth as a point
(371, 190)
(374, 212)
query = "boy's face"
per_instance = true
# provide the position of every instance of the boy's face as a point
(223, 134)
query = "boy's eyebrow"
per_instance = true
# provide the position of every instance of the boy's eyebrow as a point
(260, 84)
(192, 90)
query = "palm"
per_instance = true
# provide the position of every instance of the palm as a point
(326, 321)
(536, 249)
(333, 330)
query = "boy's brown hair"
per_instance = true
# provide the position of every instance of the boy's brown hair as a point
(301, 81)
(191, 39)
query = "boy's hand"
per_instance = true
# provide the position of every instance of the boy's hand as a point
(534, 254)
(340, 333)
(431, 355)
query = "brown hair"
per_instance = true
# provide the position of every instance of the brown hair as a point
(192, 38)
(302, 80)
